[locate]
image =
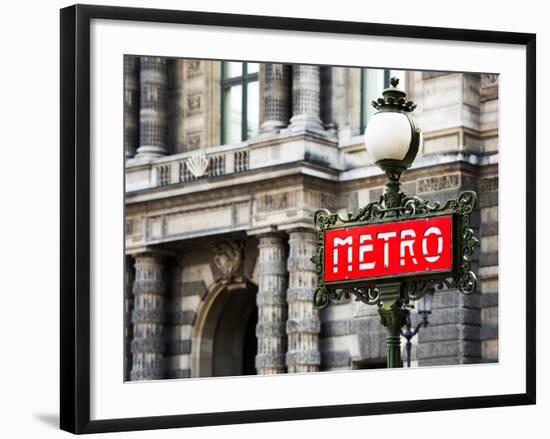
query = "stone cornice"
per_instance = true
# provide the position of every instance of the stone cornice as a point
(248, 182)
(427, 161)
(287, 135)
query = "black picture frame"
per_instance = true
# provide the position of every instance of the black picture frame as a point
(75, 217)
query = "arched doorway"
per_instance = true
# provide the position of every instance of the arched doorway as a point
(224, 336)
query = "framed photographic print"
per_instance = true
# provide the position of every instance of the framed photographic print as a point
(283, 218)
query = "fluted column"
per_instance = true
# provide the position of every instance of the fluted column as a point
(271, 301)
(153, 102)
(276, 109)
(148, 318)
(128, 309)
(303, 325)
(131, 105)
(306, 98)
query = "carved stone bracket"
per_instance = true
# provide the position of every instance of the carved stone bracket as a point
(228, 257)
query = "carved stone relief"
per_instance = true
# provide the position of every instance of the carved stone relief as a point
(194, 104)
(488, 184)
(193, 68)
(228, 257)
(439, 183)
(192, 140)
(273, 202)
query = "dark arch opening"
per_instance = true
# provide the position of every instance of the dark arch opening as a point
(234, 344)
(224, 339)
(250, 348)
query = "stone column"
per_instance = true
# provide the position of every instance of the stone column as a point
(131, 105)
(175, 93)
(271, 301)
(306, 98)
(148, 318)
(128, 309)
(276, 97)
(152, 114)
(303, 325)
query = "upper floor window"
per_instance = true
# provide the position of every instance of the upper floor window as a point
(240, 101)
(373, 82)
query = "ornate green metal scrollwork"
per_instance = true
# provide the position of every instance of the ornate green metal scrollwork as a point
(410, 207)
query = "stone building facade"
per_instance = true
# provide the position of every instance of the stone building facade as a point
(226, 164)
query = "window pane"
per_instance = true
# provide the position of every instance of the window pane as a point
(253, 109)
(373, 83)
(252, 67)
(232, 69)
(232, 114)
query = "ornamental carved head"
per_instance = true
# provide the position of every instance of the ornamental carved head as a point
(228, 258)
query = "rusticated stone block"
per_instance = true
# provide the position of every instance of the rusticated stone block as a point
(336, 328)
(307, 325)
(488, 259)
(147, 345)
(489, 332)
(332, 359)
(300, 294)
(147, 316)
(490, 350)
(271, 268)
(300, 263)
(303, 358)
(449, 332)
(148, 373)
(489, 316)
(154, 287)
(489, 299)
(453, 298)
(451, 348)
(488, 199)
(371, 337)
(270, 298)
(270, 360)
(270, 329)
(178, 347)
(448, 361)
(489, 229)
(468, 316)
(178, 373)
(181, 317)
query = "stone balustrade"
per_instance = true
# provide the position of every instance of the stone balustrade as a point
(261, 152)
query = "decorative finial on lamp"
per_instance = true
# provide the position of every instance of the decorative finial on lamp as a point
(392, 138)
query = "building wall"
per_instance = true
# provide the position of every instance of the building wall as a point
(238, 218)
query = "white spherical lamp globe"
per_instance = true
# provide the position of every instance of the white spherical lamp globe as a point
(392, 138)
(388, 136)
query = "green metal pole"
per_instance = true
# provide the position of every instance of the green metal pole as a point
(393, 317)
(391, 310)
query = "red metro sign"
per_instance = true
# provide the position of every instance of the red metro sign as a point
(390, 249)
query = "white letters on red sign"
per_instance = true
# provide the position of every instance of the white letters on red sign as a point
(363, 249)
(389, 248)
(407, 244)
(432, 231)
(337, 241)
